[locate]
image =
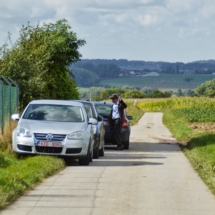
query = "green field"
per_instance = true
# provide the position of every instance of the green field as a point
(172, 82)
(83, 90)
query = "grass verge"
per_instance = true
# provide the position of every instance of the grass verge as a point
(177, 125)
(198, 147)
(20, 175)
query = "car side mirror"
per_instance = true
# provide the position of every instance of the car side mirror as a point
(129, 117)
(92, 121)
(100, 118)
(15, 117)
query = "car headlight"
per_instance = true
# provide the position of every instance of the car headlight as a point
(79, 135)
(22, 132)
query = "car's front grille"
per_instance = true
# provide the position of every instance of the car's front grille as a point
(73, 150)
(56, 137)
(24, 148)
(49, 149)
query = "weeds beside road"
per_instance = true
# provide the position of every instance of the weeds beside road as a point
(198, 146)
(19, 175)
(134, 111)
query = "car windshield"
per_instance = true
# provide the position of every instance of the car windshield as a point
(104, 110)
(59, 113)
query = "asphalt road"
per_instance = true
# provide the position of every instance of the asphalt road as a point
(153, 177)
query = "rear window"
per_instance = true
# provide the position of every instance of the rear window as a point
(59, 113)
(104, 110)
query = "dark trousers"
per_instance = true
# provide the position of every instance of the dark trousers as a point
(116, 126)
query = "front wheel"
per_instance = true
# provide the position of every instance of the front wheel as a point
(86, 161)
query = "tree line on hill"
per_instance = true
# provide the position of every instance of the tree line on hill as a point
(199, 67)
(88, 73)
(133, 63)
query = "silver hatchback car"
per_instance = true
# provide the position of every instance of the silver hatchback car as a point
(52, 127)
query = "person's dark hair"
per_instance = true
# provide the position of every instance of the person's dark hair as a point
(114, 96)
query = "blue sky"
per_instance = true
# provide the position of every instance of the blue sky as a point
(151, 30)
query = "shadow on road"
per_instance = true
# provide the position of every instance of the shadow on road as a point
(139, 154)
(133, 156)
(153, 147)
(108, 163)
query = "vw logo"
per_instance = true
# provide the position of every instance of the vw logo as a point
(49, 136)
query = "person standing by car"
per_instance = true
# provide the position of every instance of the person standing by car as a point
(116, 119)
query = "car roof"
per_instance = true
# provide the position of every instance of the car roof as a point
(56, 102)
(103, 103)
(84, 102)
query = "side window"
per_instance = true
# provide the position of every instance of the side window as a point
(95, 113)
(88, 110)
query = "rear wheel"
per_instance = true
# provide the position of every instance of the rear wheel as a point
(126, 144)
(96, 151)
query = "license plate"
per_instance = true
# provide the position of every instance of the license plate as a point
(50, 144)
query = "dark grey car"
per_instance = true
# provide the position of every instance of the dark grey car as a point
(104, 109)
(99, 129)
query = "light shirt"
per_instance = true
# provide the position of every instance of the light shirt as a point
(115, 113)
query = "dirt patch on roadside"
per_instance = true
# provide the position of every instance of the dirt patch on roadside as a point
(203, 127)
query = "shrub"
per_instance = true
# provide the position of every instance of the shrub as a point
(134, 94)
(105, 94)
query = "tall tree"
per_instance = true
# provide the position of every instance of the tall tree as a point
(39, 61)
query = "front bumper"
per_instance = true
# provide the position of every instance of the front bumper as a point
(70, 148)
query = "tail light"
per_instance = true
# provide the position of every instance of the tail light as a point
(125, 123)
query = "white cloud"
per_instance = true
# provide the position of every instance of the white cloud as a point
(147, 19)
(141, 29)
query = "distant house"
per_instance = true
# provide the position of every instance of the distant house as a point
(138, 74)
(121, 75)
(132, 73)
(152, 74)
(187, 72)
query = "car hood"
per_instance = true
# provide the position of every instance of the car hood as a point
(52, 127)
